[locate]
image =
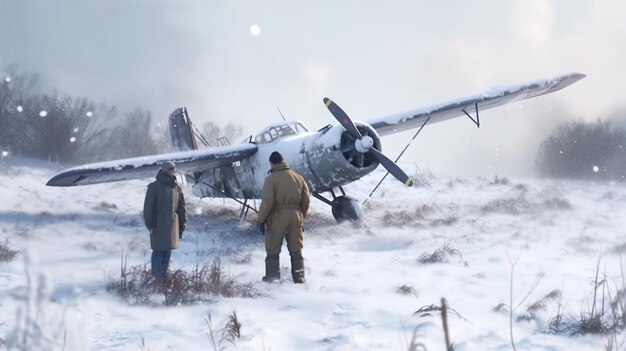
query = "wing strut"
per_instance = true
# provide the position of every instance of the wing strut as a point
(402, 153)
(477, 120)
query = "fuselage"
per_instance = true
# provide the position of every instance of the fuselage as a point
(320, 157)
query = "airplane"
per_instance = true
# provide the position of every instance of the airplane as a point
(328, 159)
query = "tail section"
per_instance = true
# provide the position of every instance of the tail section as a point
(181, 130)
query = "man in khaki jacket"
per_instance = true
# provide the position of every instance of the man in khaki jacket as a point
(284, 204)
(165, 216)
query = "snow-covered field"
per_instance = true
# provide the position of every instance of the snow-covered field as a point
(364, 281)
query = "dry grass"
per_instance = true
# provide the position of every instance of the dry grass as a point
(136, 285)
(441, 254)
(6, 254)
(230, 334)
(604, 314)
(521, 205)
(406, 290)
(420, 214)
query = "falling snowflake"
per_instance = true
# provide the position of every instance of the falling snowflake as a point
(75, 130)
(5, 153)
(43, 113)
(596, 169)
(198, 211)
(7, 79)
(89, 113)
(255, 30)
(20, 108)
(561, 151)
(72, 139)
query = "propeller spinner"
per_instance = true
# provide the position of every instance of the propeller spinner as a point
(365, 144)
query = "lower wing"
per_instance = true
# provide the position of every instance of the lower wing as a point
(144, 167)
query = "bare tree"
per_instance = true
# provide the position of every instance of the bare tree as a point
(16, 89)
(60, 128)
(212, 132)
(134, 137)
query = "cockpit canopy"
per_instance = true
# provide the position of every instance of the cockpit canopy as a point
(279, 130)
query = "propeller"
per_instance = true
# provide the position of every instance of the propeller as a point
(364, 143)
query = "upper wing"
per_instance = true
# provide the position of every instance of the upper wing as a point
(491, 98)
(144, 167)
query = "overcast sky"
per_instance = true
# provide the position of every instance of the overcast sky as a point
(374, 58)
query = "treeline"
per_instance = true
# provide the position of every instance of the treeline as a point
(64, 129)
(71, 130)
(584, 150)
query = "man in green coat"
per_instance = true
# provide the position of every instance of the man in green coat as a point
(165, 216)
(284, 204)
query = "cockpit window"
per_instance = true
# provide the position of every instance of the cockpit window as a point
(276, 131)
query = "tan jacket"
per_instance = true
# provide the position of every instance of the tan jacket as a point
(283, 188)
(164, 212)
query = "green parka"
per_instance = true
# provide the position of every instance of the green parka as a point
(164, 212)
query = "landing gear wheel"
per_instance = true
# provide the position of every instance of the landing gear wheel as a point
(346, 208)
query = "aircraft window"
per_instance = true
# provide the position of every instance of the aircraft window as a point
(300, 128)
(279, 131)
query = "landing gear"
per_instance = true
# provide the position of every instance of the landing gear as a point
(346, 208)
(343, 207)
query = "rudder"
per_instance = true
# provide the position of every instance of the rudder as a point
(183, 137)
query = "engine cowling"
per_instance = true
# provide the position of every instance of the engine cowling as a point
(334, 159)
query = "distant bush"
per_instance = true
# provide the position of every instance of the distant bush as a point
(584, 150)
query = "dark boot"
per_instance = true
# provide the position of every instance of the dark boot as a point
(297, 267)
(272, 268)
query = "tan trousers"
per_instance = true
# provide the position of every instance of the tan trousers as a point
(285, 222)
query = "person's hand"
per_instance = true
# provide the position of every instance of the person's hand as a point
(262, 227)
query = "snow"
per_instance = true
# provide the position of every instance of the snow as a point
(71, 239)
(43, 113)
(255, 30)
(20, 108)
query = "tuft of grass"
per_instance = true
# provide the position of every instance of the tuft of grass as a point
(500, 181)
(6, 254)
(230, 334)
(422, 177)
(406, 290)
(411, 218)
(398, 218)
(512, 206)
(105, 206)
(425, 311)
(605, 313)
(441, 254)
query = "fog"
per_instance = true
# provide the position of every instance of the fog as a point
(372, 58)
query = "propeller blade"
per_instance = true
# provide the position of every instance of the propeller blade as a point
(342, 118)
(392, 167)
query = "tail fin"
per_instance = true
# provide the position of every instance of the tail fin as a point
(181, 130)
